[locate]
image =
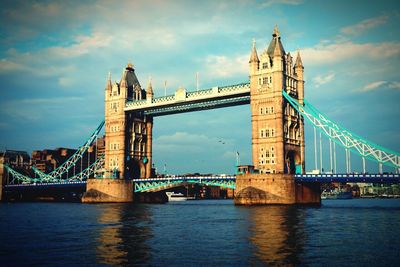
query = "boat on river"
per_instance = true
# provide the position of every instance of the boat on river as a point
(172, 196)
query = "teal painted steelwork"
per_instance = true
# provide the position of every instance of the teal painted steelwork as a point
(63, 168)
(20, 177)
(344, 137)
(82, 176)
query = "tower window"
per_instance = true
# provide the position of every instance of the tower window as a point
(261, 110)
(272, 110)
(265, 65)
(265, 80)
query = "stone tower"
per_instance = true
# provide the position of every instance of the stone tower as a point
(277, 129)
(128, 136)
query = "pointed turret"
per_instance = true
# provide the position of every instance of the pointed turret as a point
(275, 46)
(254, 60)
(253, 55)
(299, 62)
(278, 51)
(299, 71)
(149, 91)
(129, 81)
(109, 83)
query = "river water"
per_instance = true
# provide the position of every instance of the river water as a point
(357, 232)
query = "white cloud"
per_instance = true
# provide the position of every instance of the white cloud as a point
(323, 54)
(83, 45)
(269, 3)
(225, 66)
(364, 25)
(65, 81)
(380, 85)
(323, 79)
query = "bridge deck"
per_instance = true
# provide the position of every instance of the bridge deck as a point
(348, 178)
(183, 101)
(228, 181)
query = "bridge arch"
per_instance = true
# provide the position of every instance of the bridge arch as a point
(136, 169)
(292, 162)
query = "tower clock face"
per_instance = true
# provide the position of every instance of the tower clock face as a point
(145, 160)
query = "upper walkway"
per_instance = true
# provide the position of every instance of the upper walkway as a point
(183, 101)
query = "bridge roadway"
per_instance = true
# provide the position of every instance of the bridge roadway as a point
(156, 184)
(182, 101)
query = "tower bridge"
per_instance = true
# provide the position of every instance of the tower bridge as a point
(275, 92)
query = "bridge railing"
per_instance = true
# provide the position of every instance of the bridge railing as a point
(215, 92)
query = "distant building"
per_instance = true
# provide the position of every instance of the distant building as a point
(244, 169)
(48, 160)
(18, 160)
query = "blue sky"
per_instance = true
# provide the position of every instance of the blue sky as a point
(55, 57)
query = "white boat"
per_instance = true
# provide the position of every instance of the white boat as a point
(172, 196)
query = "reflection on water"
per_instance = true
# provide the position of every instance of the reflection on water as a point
(277, 233)
(123, 234)
(356, 232)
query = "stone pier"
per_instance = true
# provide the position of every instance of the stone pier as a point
(108, 191)
(265, 189)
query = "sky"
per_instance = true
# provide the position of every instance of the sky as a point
(55, 58)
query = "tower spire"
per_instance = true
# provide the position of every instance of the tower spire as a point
(149, 88)
(299, 62)
(276, 32)
(109, 83)
(253, 55)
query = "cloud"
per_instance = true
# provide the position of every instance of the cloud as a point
(321, 79)
(324, 53)
(269, 3)
(225, 66)
(83, 45)
(381, 85)
(364, 25)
